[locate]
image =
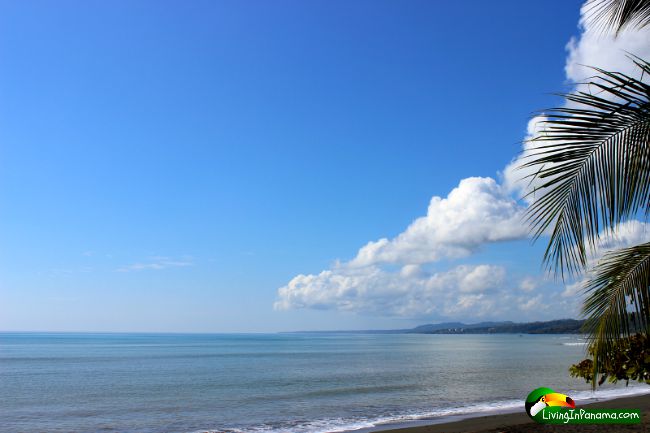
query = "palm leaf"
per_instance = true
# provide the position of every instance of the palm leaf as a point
(591, 165)
(618, 300)
(618, 14)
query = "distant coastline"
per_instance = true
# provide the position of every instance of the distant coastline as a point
(561, 326)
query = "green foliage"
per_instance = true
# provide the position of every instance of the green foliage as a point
(627, 359)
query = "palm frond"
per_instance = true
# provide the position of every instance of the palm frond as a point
(616, 15)
(591, 165)
(618, 300)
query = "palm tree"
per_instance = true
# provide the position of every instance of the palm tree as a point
(618, 14)
(591, 172)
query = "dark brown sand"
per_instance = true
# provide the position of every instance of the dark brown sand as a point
(520, 423)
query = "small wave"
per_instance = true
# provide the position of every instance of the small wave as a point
(575, 343)
(608, 394)
(350, 425)
(340, 425)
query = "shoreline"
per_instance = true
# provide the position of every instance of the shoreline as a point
(517, 421)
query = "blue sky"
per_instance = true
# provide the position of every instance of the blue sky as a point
(168, 166)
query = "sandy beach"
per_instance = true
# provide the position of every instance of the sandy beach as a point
(520, 423)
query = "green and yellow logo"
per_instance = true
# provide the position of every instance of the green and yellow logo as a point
(546, 406)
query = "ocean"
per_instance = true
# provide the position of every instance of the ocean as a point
(294, 383)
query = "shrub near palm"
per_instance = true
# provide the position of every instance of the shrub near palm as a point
(628, 359)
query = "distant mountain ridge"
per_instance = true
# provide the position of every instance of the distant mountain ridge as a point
(562, 326)
(448, 326)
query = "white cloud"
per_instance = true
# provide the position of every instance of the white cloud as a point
(462, 291)
(529, 284)
(532, 304)
(156, 264)
(476, 212)
(624, 235)
(574, 289)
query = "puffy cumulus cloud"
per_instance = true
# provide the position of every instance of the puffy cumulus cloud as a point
(464, 292)
(393, 277)
(476, 212)
(412, 292)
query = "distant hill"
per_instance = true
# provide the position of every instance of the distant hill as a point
(446, 328)
(562, 326)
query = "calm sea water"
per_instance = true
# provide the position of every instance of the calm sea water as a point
(270, 383)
